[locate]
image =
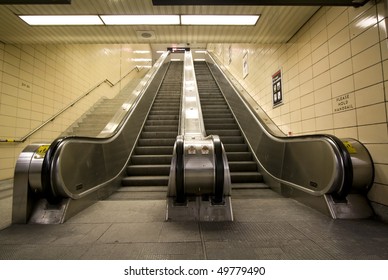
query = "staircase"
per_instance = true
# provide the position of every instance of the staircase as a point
(149, 167)
(94, 121)
(219, 120)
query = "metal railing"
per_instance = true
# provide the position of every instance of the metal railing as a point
(52, 118)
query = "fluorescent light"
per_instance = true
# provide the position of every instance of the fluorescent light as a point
(219, 19)
(140, 19)
(62, 20)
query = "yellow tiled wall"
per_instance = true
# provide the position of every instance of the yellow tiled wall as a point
(340, 51)
(37, 81)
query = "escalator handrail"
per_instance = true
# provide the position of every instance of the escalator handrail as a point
(219, 171)
(179, 171)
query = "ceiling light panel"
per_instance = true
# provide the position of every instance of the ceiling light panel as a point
(62, 19)
(219, 19)
(141, 19)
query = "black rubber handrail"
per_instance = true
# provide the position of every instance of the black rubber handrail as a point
(219, 166)
(179, 172)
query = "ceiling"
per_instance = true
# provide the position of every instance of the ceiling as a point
(277, 24)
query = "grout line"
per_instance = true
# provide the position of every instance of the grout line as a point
(202, 241)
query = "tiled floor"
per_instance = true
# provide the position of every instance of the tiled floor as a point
(266, 226)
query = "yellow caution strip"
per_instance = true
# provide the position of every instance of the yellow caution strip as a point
(351, 149)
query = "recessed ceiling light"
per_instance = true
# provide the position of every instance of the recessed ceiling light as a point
(62, 19)
(140, 19)
(219, 19)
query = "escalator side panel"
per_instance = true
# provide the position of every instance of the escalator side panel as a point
(99, 162)
(295, 162)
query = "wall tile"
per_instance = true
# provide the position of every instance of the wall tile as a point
(379, 194)
(381, 173)
(363, 22)
(324, 108)
(338, 24)
(383, 30)
(340, 55)
(341, 71)
(322, 94)
(308, 125)
(322, 80)
(379, 153)
(376, 133)
(319, 40)
(365, 40)
(321, 66)
(36, 81)
(334, 12)
(371, 114)
(370, 95)
(368, 77)
(305, 76)
(338, 40)
(345, 119)
(367, 58)
(347, 132)
(307, 100)
(320, 53)
(324, 123)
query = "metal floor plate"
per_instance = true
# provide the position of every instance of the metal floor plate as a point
(266, 226)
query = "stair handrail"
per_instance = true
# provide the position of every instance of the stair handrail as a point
(52, 118)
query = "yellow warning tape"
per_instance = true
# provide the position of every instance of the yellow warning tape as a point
(351, 149)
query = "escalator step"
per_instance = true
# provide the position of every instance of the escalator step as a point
(221, 133)
(239, 156)
(244, 177)
(154, 150)
(157, 142)
(155, 128)
(158, 134)
(236, 148)
(242, 166)
(149, 170)
(145, 181)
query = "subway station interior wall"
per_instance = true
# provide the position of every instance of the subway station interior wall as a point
(37, 81)
(340, 52)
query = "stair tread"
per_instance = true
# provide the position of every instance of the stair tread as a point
(249, 186)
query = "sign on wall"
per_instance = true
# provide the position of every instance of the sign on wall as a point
(277, 93)
(344, 103)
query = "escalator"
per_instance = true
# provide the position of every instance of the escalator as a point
(149, 166)
(325, 172)
(53, 182)
(196, 147)
(219, 120)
